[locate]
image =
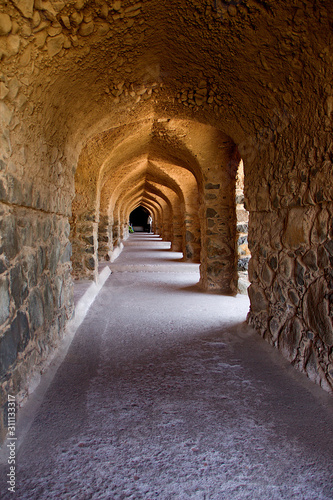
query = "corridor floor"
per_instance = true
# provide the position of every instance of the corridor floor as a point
(165, 393)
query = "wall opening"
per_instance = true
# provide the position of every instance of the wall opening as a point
(242, 216)
(138, 219)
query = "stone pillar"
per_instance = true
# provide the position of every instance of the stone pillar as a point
(177, 242)
(116, 234)
(103, 238)
(192, 239)
(218, 268)
(84, 231)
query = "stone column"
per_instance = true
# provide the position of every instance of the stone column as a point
(219, 257)
(177, 242)
(84, 237)
(103, 238)
(192, 239)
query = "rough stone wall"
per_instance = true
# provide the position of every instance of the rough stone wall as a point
(74, 73)
(84, 240)
(291, 243)
(103, 238)
(35, 293)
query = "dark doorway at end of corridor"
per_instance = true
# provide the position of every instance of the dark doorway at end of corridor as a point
(139, 219)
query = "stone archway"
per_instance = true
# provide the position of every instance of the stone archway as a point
(93, 89)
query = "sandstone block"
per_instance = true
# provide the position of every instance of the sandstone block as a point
(3, 90)
(77, 18)
(66, 22)
(36, 19)
(298, 229)
(5, 24)
(86, 29)
(47, 7)
(79, 4)
(13, 45)
(116, 5)
(26, 56)
(26, 7)
(5, 115)
(54, 30)
(55, 44)
(40, 39)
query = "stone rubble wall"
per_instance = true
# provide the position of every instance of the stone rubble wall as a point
(291, 243)
(84, 240)
(36, 296)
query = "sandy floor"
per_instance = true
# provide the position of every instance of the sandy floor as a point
(165, 393)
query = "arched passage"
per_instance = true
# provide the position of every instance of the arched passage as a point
(88, 91)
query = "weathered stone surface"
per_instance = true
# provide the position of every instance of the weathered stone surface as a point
(66, 22)
(48, 302)
(323, 259)
(86, 29)
(5, 24)
(298, 229)
(25, 7)
(4, 300)
(299, 273)
(5, 115)
(13, 45)
(55, 44)
(3, 90)
(54, 255)
(18, 285)
(258, 299)
(316, 310)
(35, 309)
(96, 117)
(267, 275)
(9, 241)
(310, 260)
(290, 337)
(77, 18)
(20, 331)
(8, 351)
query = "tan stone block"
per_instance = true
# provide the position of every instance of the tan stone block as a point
(40, 39)
(298, 228)
(13, 45)
(3, 90)
(86, 29)
(5, 24)
(26, 7)
(55, 44)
